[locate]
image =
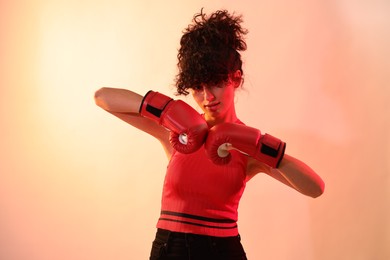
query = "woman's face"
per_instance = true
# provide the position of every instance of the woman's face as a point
(217, 101)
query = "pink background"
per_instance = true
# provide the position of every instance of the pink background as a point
(77, 183)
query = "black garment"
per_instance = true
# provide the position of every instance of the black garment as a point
(184, 246)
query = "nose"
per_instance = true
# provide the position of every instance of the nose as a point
(208, 93)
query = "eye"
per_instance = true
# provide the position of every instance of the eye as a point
(221, 84)
(197, 89)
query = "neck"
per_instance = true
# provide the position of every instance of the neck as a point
(212, 121)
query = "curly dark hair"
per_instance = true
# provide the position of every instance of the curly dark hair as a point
(209, 50)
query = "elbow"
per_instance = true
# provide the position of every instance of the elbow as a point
(99, 98)
(313, 190)
(316, 194)
(318, 191)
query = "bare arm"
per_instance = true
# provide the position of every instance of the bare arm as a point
(125, 104)
(291, 172)
(118, 100)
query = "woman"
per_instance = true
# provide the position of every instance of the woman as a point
(211, 156)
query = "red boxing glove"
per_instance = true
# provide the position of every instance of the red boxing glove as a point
(188, 128)
(227, 136)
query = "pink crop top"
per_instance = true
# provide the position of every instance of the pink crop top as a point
(201, 197)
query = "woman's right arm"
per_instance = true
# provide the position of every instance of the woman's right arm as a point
(125, 105)
(118, 100)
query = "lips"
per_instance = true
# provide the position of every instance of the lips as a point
(212, 106)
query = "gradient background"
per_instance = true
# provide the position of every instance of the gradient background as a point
(77, 183)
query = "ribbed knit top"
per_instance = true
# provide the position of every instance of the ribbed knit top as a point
(201, 197)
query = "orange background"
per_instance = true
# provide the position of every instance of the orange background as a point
(77, 183)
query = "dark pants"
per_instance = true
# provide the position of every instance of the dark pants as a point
(182, 246)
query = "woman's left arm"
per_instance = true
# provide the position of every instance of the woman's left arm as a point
(291, 172)
(265, 152)
(300, 176)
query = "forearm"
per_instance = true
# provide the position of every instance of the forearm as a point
(118, 100)
(300, 176)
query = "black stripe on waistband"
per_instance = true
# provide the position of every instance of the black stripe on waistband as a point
(190, 216)
(197, 224)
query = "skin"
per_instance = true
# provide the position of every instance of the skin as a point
(217, 104)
